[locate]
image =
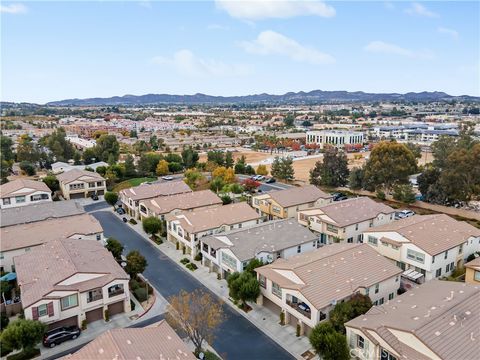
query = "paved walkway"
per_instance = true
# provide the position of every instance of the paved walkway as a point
(260, 316)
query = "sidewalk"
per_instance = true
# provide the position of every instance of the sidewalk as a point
(261, 317)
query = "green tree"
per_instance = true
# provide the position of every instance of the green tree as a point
(115, 247)
(133, 134)
(175, 167)
(27, 150)
(189, 158)
(243, 287)
(136, 264)
(343, 312)
(28, 168)
(193, 178)
(282, 168)
(229, 162)
(240, 165)
(6, 148)
(89, 156)
(355, 180)
(404, 193)
(262, 170)
(107, 149)
(389, 163)
(415, 149)
(162, 168)
(102, 170)
(23, 334)
(52, 182)
(4, 171)
(59, 146)
(151, 225)
(111, 198)
(328, 343)
(332, 171)
(289, 120)
(217, 157)
(217, 184)
(252, 265)
(153, 142)
(171, 157)
(130, 171)
(141, 147)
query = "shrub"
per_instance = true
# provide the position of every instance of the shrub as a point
(404, 193)
(226, 199)
(157, 240)
(198, 257)
(84, 324)
(28, 168)
(210, 356)
(4, 349)
(4, 320)
(298, 330)
(25, 354)
(132, 221)
(141, 294)
(183, 250)
(106, 315)
(381, 194)
(191, 266)
(134, 284)
(219, 276)
(177, 245)
(282, 318)
(184, 261)
(132, 305)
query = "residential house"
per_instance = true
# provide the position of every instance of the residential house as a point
(156, 341)
(232, 251)
(22, 238)
(60, 167)
(437, 320)
(472, 271)
(346, 220)
(425, 246)
(131, 197)
(283, 204)
(39, 212)
(188, 227)
(306, 287)
(173, 204)
(23, 192)
(66, 281)
(78, 184)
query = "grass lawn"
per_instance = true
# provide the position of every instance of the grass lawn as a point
(131, 183)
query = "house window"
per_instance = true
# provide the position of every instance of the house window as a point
(446, 254)
(69, 301)
(6, 201)
(385, 355)
(356, 226)
(94, 295)
(19, 199)
(299, 249)
(39, 197)
(476, 275)
(350, 240)
(377, 287)
(229, 261)
(276, 209)
(460, 249)
(390, 296)
(42, 310)
(91, 185)
(416, 256)
(115, 290)
(99, 183)
(380, 301)
(332, 228)
(256, 202)
(276, 290)
(371, 224)
(372, 240)
(438, 273)
(360, 342)
(433, 259)
(263, 281)
(99, 236)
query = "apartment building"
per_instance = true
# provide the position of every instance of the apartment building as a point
(79, 184)
(307, 287)
(64, 282)
(22, 238)
(472, 272)
(345, 221)
(437, 320)
(131, 197)
(60, 167)
(188, 227)
(156, 341)
(337, 138)
(283, 204)
(425, 246)
(173, 204)
(232, 251)
(24, 192)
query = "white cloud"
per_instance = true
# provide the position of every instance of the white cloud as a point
(186, 63)
(451, 32)
(381, 47)
(272, 43)
(13, 9)
(420, 10)
(264, 9)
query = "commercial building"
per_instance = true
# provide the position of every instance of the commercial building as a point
(337, 138)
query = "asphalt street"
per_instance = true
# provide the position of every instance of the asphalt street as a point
(236, 338)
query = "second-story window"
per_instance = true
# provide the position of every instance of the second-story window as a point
(69, 301)
(276, 290)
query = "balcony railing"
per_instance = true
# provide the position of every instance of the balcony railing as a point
(115, 291)
(301, 308)
(94, 297)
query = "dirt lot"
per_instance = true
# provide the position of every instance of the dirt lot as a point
(251, 156)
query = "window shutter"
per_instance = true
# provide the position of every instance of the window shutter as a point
(50, 309)
(35, 313)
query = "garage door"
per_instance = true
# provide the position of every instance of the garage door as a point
(115, 308)
(100, 192)
(94, 315)
(72, 321)
(77, 196)
(269, 304)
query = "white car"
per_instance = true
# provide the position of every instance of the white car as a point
(167, 178)
(404, 214)
(260, 178)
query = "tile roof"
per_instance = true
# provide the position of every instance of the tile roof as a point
(432, 233)
(157, 341)
(444, 315)
(39, 212)
(150, 191)
(185, 201)
(72, 175)
(206, 219)
(26, 185)
(474, 264)
(352, 211)
(298, 195)
(40, 270)
(270, 237)
(332, 272)
(36, 233)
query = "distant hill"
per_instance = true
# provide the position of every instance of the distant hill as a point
(312, 97)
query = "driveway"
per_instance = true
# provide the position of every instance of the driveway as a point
(97, 205)
(236, 338)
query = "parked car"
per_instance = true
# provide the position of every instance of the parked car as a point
(260, 178)
(167, 178)
(124, 219)
(94, 197)
(56, 336)
(120, 211)
(270, 180)
(404, 214)
(339, 197)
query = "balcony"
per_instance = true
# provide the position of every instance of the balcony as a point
(115, 290)
(300, 307)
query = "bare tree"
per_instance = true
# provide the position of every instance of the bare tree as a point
(198, 313)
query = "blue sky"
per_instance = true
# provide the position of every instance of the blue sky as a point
(58, 50)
